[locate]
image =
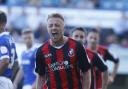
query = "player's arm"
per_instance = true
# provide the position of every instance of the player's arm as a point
(87, 79)
(40, 82)
(40, 69)
(3, 64)
(18, 77)
(34, 84)
(4, 59)
(84, 65)
(99, 63)
(110, 57)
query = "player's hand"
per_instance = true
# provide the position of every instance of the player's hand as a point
(33, 86)
(110, 79)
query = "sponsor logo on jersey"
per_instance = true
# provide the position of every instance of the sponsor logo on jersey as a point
(3, 50)
(60, 65)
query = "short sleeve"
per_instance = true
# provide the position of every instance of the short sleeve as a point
(40, 63)
(110, 57)
(83, 61)
(99, 63)
(4, 52)
(16, 56)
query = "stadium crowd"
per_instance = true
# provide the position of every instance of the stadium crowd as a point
(18, 22)
(23, 20)
(59, 50)
(90, 4)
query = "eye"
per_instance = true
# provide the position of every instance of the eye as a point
(50, 25)
(76, 36)
(57, 25)
(81, 37)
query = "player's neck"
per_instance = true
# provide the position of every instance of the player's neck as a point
(60, 42)
(1, 31)
(29, 47)
(92, 48)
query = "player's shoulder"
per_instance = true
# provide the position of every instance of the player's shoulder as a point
(72, 41)
(101, 47)
(88, 50)
(4, 37)
(43, 46)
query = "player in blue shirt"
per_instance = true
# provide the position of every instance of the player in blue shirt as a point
(7, 55)
(28, 60)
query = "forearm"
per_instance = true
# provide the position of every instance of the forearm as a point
(87, 80)
(105, 80)
(3, 66)
(34, 84)
(40, 82)
(115, 69)
(18, 77)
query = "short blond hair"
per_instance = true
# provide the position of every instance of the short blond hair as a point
(55, 15)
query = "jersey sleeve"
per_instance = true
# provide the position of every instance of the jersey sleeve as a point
(110, 57)
(16, 56)
(83, 61)
(99, 63)
(40, 64)
(4, 52)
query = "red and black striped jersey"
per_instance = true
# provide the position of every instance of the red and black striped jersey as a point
(62, 66)
(106, 55)
(97, 63)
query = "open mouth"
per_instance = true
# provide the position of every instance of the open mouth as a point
(54, 34)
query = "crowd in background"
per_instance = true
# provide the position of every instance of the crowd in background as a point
(89, 4)
(18, 22)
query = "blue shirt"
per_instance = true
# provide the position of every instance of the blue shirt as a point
(28, 64)
(7, 50)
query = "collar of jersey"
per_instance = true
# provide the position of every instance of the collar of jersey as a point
(31, 49)
(4, 33)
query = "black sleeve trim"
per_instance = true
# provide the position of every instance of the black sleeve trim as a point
(83, 61)
(40, 63)
(99, 63)
(110, 57)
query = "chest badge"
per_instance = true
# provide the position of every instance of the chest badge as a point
(71, 53)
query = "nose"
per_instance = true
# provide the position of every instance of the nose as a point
(53, 27)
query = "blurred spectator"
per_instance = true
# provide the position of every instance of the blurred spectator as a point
(34, 20)
(88, 4)
(41, 33)
(51, 3)
(11, 19)
(20, 22)
(16, 2)
(124, 42)
(46, 3)
(111, 39)
(35, 2)
(122, 25)
(66, 3)
(3, 1)
(107, 37)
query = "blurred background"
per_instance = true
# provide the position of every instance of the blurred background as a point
(109, 16)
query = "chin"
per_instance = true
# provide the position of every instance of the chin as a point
(55, 40)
